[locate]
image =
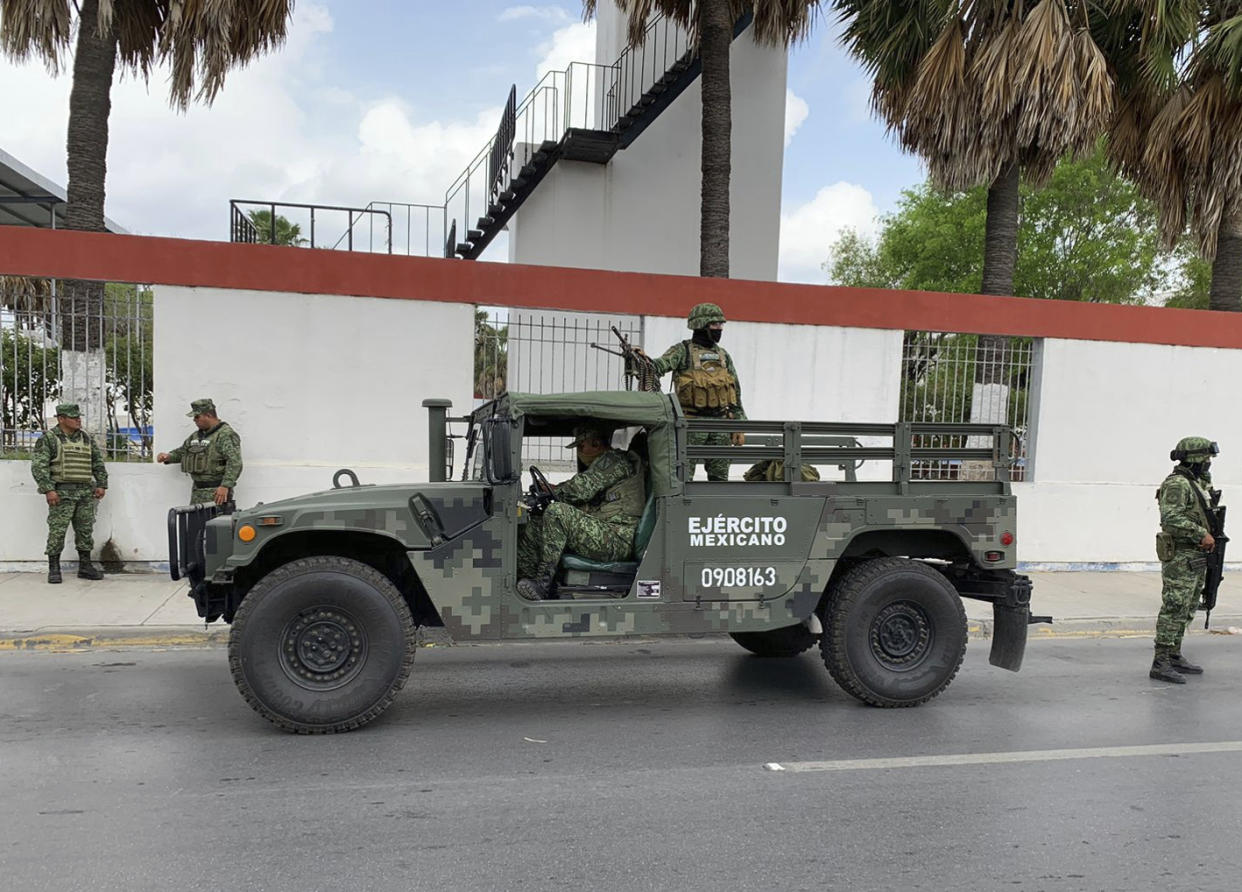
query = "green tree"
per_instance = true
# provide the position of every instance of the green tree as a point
(285, 233)
(491, 356)
(129, 351)
(29, 379)
(1087, 235)
(710, 23)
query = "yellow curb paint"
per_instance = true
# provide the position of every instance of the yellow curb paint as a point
(64, 642)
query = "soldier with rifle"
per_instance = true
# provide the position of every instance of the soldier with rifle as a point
(1190, 546)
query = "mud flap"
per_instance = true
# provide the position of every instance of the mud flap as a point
(1009, 635)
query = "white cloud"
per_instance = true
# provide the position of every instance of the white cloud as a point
(546, 13)
(573, 43)
(278, 131)
(796, 111)
(808, 230)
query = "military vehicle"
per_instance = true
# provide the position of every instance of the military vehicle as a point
(325, 591)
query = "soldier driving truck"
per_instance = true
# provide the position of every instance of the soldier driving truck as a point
(325, 591)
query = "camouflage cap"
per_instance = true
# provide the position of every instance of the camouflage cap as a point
(703, 315)
(68, 410)
(589, 430)
(198, 407)
(1192, 446)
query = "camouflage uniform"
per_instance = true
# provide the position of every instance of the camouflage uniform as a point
(1184, 525)
(77, 498)
(681, 359)
(220, 466)
(582, 521)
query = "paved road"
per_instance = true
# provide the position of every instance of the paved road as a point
(626, 766)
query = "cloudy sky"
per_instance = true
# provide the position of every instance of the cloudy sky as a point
(390, 99)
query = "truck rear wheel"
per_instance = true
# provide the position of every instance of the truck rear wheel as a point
(321, 645)
(894, 633)
(787, 642)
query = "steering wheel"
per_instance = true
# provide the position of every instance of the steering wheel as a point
(541, 494)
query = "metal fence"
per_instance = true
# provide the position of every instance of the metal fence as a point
(96, 352)
(534, 351)
(966, 378)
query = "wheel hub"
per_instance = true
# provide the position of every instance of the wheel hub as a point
(901, 635)
(323, 648)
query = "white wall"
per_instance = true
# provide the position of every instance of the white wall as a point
(640, 212)
(1108, 414)
(312, 383)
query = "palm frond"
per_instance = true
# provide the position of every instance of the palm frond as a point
(41, 28)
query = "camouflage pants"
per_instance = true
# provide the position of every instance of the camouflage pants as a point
(1183, 585)
(564, 528)
(717, 468)
(77, 507)
(205, 495)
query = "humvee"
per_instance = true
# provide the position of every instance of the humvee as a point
(325, 591)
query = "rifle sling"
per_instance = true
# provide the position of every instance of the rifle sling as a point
(1208, 514)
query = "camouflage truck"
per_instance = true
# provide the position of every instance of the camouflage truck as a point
(325, 591)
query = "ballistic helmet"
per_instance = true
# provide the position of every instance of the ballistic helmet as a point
(1194, 450)
(704, 315)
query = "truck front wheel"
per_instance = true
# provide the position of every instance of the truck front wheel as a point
(894, 632)
(321, 645)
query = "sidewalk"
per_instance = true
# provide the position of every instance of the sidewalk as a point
(149, 609)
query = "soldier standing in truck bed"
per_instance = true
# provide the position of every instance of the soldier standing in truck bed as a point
(706, 382)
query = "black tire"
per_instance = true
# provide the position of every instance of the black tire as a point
(895, 632)
(321, 645)
(787, 642)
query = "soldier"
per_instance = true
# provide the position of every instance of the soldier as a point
(706, 382)
(211, 456)
(69, 468)
(1182, 546)
(594, 515)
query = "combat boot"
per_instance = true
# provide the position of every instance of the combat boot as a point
(534, 589)
(87, 570)
(53, 570)
(1183, 665)
(1162, 670)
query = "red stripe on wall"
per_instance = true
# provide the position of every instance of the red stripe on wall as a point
(164, 261)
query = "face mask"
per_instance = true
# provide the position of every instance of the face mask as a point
(714, 334)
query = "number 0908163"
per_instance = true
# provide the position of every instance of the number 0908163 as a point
(737, 577)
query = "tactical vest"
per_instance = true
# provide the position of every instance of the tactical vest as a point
(624, 501)
(72, 463)
(1198, 506)
(202, 458)
(705, 382)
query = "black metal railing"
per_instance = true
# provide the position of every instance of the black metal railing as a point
(502, 145)
(327, 226)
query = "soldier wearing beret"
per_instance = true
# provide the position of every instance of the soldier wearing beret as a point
(595, 513)
(69, 468)
(211, 456)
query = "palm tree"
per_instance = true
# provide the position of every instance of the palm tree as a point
(710, 24)
(200, 41)
(986, 91)
(284, 232)
(1179, 133)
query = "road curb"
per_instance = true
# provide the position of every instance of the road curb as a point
(70, 639)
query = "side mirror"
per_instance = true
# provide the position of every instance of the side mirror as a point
(498, 443)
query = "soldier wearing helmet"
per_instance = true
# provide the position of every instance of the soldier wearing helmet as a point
(706, 381)
(1184, 541)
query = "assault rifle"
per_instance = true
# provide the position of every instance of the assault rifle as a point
(638, 367)
(1215, 558)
